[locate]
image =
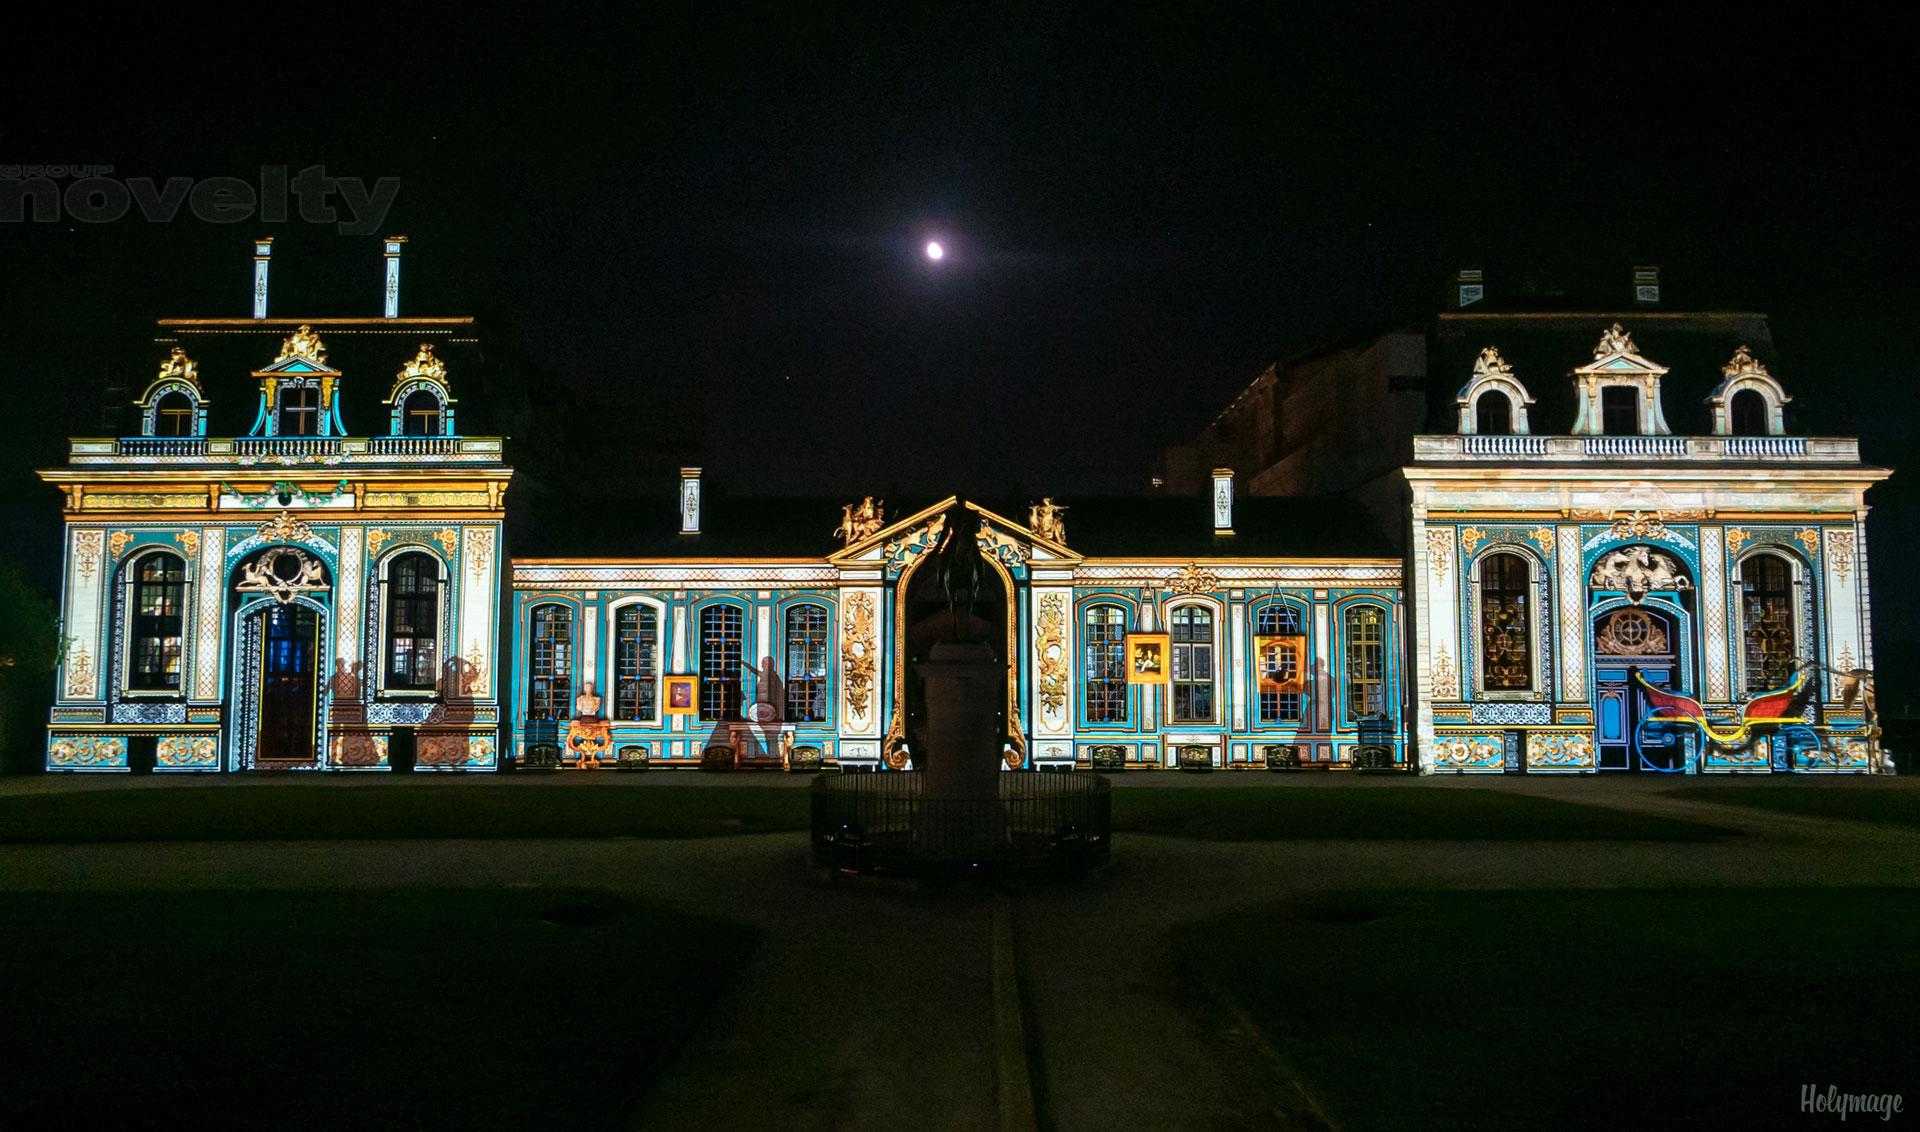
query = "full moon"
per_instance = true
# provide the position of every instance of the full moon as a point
(935, 251)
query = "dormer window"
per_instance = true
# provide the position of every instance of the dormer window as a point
(173, 415)
(1748, 400)
(1493, 402)
(1619, 411)
(299, 411)
(172, 405)
(421, 415)
(1619, 390)
(420, 401)
(1493, 415)
(1747, 411)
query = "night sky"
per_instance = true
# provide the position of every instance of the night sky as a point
(1141, 213)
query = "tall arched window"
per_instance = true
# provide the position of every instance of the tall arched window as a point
(159, 597)
(807, 663)
(173, 415)
(636, 648)
(1493, 414)
(550, 678)
(720, 652)
(1366, 661)
(1506, 624)
(413, 623)
(1192, 664)
(1747, 413)
(1283, 654)
(1105, 679)
(1766, 599)
(422, 414)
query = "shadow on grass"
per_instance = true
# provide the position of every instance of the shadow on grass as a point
(283, 811)
(1574, 1009)
(463, 1008)
(1843, 799)
(1385, 812)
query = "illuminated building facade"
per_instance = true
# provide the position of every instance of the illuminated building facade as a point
(1618, 554)
(294, 559)
(294, 554)
(1202, 646)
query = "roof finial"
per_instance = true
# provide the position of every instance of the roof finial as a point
(1614, 340)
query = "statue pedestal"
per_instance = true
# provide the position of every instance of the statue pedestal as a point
(963, 749)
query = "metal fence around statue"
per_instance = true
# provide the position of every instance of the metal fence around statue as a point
(868, 823)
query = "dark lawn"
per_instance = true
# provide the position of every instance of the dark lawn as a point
(484, 1008)
(459, 808)
(481, 809)
(1383, 812)
(1590, 1009)
(1851, 800)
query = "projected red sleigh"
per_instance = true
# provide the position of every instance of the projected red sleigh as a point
(1792, 739)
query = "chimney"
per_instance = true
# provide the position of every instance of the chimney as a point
(689, 501)
(262, 251)
(1646, 286)
(1469, 287)
(1223, 501)
(394, 244)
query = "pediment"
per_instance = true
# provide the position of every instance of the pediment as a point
(296, 366)
(996, 530)
(1625, 363)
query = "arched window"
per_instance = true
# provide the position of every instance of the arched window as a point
(422, 414)
(550, 678)
(413, 623)
(1766, 592)
(173, 415)
(720, 652)
(807, 664)
(1748, 413)
(299, 410)
(636, 648)
(1493, 414)
(1192, 664)
(1620, 411)
(1506, 624)
(159, 597)
(1105, 679)
(1366, 661)
(1282, 663)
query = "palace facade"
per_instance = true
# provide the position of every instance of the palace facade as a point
(1520, 566)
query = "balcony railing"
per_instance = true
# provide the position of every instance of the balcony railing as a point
(1765, 447)
(1662, 449)
(1504, 445)
(303, 446)
(163, 446)
(1658, 446)
(413, 445)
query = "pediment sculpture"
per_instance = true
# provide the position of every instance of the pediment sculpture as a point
(1638, 571)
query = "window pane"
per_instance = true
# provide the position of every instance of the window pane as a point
(1506, 641)
(159, 590)
(413, 623)
(720, 653)
(806, 664)
(1192, 674)
(1366, 661)
(550, 684)
(1105, 640)
(1766, 585)
(637, 644)
(1277, 620)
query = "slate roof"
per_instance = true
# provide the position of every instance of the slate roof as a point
(1544, 348)
(545, 523)
(367, 352)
